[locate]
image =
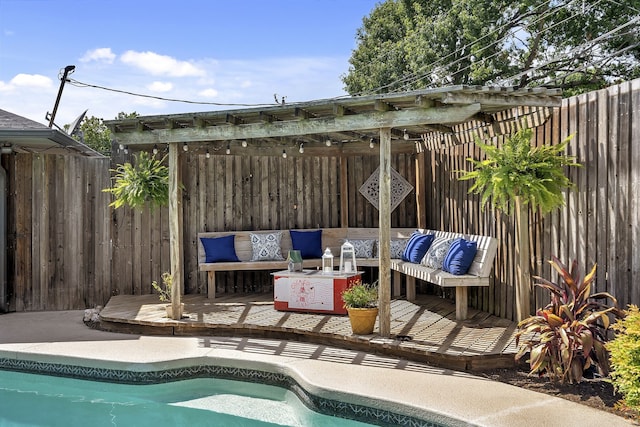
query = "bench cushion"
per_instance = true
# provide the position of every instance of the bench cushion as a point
(363, 248)
(417, 247)
(266, 246)
(219, 249)
(460, 256)
(309, 243)
(437, 252)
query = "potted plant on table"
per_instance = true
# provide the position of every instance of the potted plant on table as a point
(361, 302)
(164, 293)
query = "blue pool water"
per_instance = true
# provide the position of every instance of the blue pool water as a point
(40, 400)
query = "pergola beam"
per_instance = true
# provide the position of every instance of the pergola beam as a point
(355, 122)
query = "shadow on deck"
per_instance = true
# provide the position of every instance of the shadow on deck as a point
(424, 331)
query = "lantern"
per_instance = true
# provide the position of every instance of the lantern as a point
(347, 258)
(327, 262)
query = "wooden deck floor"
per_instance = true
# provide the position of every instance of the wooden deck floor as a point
(423, 331)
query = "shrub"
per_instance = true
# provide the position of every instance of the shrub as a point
(568, 336)
(361, 295)
(164, 293)
(625, 358)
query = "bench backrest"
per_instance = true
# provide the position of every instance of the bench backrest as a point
(331, 238)
(335, 237)
(487, 247)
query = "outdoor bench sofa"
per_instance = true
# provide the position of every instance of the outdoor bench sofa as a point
(333, 238)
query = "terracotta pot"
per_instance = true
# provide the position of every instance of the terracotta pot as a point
(363, 320)
(170, 310)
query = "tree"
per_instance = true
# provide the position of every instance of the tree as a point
(96, 134)
(518, 175)
(573, 45)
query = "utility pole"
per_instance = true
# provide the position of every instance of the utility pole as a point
(67, 70)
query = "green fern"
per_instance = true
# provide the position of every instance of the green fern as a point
(147, 181)
(516, 169)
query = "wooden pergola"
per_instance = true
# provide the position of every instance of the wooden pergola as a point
(397, 122)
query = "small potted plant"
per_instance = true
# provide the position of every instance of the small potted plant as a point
(164, 292)
(361, 302)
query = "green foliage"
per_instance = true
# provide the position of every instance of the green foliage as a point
(361, 295)
(625, 358)
(97, 135)
(412, 44)
(164, 292)
(568, 336)
(147, 181)
(517, 169)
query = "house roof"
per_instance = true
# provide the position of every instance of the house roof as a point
(349, 123)
(22, 135)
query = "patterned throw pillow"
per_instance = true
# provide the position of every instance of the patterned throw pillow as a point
(437, 252)
(266, 246)
(397, 247)
(363, 248)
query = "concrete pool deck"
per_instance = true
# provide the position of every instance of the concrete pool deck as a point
(353, 376)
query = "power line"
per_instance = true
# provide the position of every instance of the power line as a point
(82, 85)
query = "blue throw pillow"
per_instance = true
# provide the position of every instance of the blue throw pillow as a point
(417, 246)
(219, 249)
(309, 243)
(460, 256)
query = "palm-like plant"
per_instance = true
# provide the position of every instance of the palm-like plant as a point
(520, 175)
(568, 336)
(147, 181)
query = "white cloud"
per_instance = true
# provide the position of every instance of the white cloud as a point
(103, 54)
(161, 65)
(160, 86)
(31, 81)
(209, 93)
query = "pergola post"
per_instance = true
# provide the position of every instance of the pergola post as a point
(175, 230)
(384, 212)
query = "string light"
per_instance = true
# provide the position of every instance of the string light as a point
(244, 143)
(120, 146)
(126, 149)
(328, 142)
(301, 150)
(284, 154)
(155, 148)
(228, 148)
(207, 154)
(406, 135)
(371, 143)
(185, 147)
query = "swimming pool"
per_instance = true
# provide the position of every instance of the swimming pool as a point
(39, 400)
(197, 395)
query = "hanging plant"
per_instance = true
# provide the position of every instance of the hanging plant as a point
(147, 181)
(519, 175)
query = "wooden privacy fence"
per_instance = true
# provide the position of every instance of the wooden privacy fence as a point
(58, 240)
(601, 221)
(68, 250)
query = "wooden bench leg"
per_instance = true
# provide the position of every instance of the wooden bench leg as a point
(461, 302)
(411, 288)
(211, 284)
(397, 289)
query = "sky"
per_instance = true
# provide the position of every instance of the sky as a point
(241, 52)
